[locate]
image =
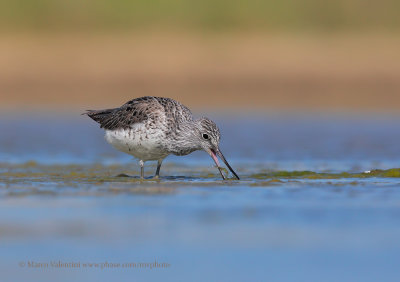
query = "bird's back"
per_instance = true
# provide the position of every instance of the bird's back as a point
(147, 109)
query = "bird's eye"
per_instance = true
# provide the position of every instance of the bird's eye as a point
(205, 136)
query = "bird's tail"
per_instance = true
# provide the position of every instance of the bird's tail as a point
(99, 116)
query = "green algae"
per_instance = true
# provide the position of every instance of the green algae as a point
(35, 179)
(394, 172)
(389, 173)
(100, 173)
(115, 173)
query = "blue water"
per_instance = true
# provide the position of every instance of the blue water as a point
(205, 229)
(292, 142)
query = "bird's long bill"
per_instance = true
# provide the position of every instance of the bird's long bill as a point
(219, 153)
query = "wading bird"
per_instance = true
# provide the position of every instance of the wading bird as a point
(151, 128)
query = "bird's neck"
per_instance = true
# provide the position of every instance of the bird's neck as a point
(183, 141)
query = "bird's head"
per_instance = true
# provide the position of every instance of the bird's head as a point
(208, 136)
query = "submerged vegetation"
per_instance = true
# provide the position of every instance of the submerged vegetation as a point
(100, 172)
(32, 178)
(393, 172)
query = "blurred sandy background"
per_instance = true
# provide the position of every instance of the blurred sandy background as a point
(286, 55)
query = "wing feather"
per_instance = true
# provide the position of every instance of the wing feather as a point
(140, 110)
(134, 111)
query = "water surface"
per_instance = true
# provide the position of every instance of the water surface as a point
(319, 200)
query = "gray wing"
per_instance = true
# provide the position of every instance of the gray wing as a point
(135, 111)
(174, 111)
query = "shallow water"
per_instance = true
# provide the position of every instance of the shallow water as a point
(319, 200)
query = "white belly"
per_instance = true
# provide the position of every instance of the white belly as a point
(142, 143)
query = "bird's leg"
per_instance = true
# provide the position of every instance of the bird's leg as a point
(141, 169)
(157, 176)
